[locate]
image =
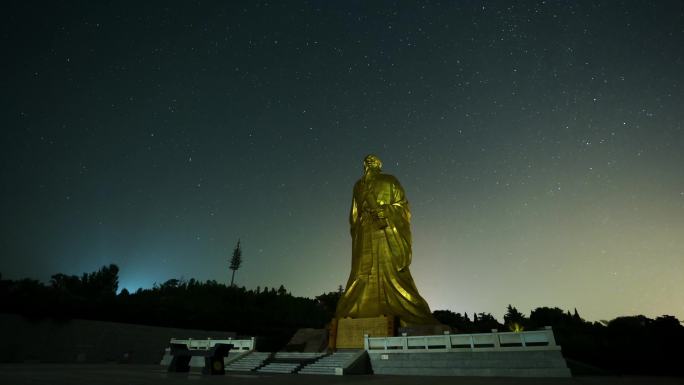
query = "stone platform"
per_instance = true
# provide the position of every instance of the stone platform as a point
(543, 363)
(509, 354)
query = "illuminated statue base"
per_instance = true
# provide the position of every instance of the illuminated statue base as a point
(347, 333)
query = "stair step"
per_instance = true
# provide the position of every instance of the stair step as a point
(277, 367)
(328, 365)
(329, 373)
(248, 363)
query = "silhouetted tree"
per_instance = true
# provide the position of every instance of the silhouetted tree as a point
(486, 322)
(668, 323)
(576, 317)
(328, 301)
(170, 284)
(235, 261)
(66, 284)
(282, 290)
(455, 321)
(102, 283)
(546, 316)
(514, 320)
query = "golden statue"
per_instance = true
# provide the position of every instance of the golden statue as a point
(380, 282)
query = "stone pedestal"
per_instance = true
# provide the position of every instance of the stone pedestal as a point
(349, 332)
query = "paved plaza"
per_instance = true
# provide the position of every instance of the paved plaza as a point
(115, 374)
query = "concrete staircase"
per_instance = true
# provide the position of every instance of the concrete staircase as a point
(289, 362)
(327, 365)
(279, 367)
(249, 362)
(298, 356)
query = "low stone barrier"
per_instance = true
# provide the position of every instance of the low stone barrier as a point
(78, 340)
(527, 340)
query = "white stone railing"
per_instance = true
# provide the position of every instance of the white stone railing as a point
(238, 345)
(527, 340)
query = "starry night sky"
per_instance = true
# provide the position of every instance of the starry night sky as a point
(539, 143)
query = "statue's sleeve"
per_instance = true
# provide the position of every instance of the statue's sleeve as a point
(353, 213)
(399, 202)
(400, 234)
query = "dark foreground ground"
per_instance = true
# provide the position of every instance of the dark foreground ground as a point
(113, 374)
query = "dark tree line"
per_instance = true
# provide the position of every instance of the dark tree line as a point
(625, 345)
(272, 313)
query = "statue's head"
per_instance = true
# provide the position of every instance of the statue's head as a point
(371, 162)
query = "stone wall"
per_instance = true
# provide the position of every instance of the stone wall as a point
(76, 340)
(541, 363)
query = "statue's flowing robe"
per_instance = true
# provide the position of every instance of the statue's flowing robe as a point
(380, 282)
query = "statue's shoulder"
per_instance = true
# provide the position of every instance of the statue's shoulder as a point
(379, 178)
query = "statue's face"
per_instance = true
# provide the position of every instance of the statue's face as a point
(372, 162)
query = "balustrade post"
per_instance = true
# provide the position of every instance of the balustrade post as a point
(549, 335)
(497, 342)
(404, 341)
(447, 342)
(366, 343)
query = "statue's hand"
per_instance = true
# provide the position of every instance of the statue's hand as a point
(380, 219)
